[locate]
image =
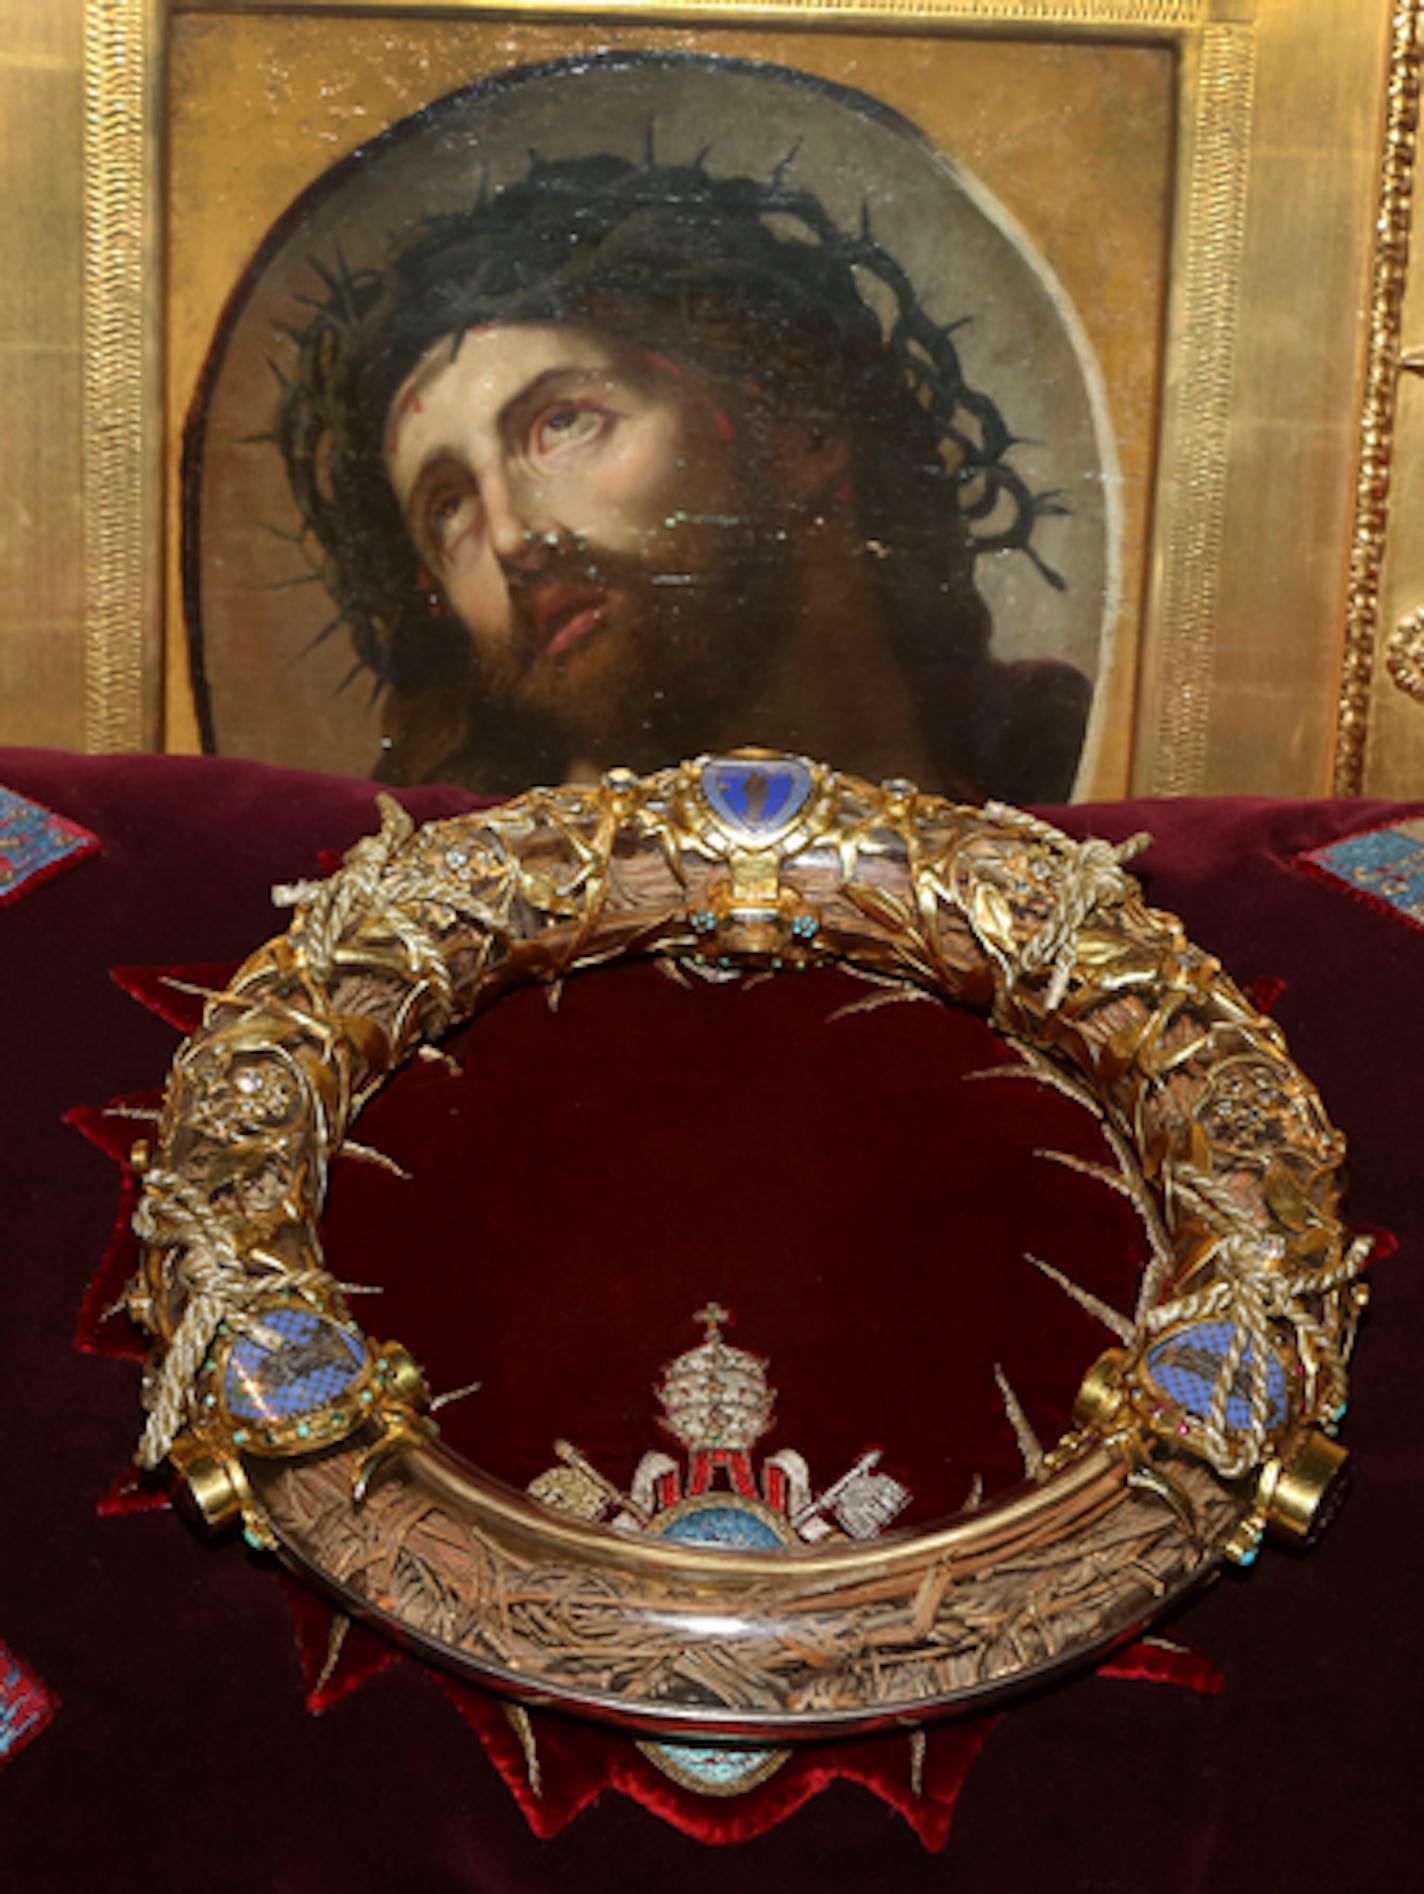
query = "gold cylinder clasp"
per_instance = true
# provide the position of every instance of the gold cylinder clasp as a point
(212, 1486)
(1102, 1393)
(1300, 1493)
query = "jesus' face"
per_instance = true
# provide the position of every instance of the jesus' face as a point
(594, 516)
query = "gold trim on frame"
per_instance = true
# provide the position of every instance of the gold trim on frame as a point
(122, 328)
(1391, 267)
(990, 13)
(1194, 434)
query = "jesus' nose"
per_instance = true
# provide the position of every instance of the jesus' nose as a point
(518, 534)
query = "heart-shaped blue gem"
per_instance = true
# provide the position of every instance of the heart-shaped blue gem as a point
(756, 797)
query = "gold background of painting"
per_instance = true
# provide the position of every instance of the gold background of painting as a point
(294, 94)
(1276, 309)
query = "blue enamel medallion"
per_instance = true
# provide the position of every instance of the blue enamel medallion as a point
(756, 797)
(720, 1768)
(729, 1527)
(722, 1771)
(1185, 1366)
(314, 1363)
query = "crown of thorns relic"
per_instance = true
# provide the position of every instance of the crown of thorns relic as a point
(1210, 1422)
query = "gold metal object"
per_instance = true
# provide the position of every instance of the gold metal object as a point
(1102, 1394)
(122, 375)
(1298, 1493)
(1193, 476)
(213, 1480)
(1404, 656)
(1374, 475)
(1233, 1362)
(404, 1376)
(1244, 1545)
(401, 1434)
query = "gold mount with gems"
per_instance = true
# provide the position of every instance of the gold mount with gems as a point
(385, 1400)
(1209, 1424)
(1295, 1496)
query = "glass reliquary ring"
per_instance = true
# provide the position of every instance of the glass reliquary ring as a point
(1209, 1424)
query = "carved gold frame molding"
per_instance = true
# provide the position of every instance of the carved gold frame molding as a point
(1256, 653)
(123, 439)
(1381, 749)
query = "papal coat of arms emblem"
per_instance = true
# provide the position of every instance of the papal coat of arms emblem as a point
(717, 1404)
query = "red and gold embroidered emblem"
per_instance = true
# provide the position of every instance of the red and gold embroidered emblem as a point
(718, 1403)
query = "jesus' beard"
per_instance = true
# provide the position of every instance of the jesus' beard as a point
(675, 666)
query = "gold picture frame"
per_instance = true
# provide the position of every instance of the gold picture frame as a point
(1253, 655)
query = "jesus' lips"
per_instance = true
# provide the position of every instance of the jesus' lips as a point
(561, 615)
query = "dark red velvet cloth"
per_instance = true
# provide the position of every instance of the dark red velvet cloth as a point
(584, 1184)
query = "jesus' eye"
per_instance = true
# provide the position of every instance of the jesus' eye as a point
(565, 426)
(449, 512)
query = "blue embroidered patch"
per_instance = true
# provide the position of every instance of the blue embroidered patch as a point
(25, 1705)
(1385, 865)
(35, 843)
(732, 1527)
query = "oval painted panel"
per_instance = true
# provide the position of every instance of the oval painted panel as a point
(1185, 1366)
(314, 1363)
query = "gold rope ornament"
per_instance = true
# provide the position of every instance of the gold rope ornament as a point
(1210, 1422)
